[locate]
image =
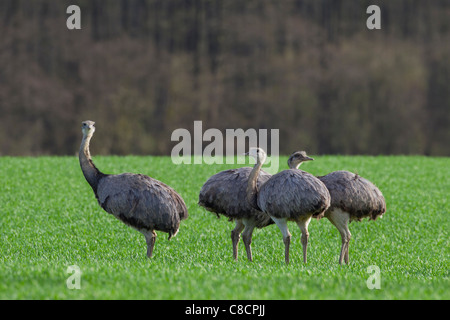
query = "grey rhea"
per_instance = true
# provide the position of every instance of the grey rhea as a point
(139, 201)
(225, 193)
(352, 198)
(290, 195)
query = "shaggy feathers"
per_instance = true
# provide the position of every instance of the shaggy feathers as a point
(137, 200)
(292, 193)
(355, 195)
(142, 202)
(224, 193)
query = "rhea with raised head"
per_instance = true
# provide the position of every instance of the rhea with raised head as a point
(141, 202)
(352, 199)
(290, 195)
(224, 194)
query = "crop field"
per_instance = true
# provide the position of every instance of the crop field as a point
(50, 220)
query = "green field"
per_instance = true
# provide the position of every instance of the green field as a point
(49, 220)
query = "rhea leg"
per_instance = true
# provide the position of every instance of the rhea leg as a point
(235, 236)
(303, 225)
(348, 236)
(150, 238)
(282, 225)
(340, 220)
(247, 237)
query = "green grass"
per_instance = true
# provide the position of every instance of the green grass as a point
(49, 220)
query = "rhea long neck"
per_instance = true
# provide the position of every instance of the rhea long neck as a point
(90, 171)
(293, 165)
(252, 185)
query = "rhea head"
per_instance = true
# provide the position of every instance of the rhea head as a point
(258, 154)
(296, 159)
(88, 128)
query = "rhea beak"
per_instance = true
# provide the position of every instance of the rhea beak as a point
(308, 159)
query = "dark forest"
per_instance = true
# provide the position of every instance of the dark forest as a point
(143, 68)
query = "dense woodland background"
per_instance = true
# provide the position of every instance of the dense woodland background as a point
(142, 68)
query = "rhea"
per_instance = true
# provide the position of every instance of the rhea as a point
(141, 202)
(225, 193)
(290, 195)
(352, 199)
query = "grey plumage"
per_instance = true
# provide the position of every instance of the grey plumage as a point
(355, 195)
(142, 202)
(139, 201)
(290, 195)
(225, 194)
(352, 198)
